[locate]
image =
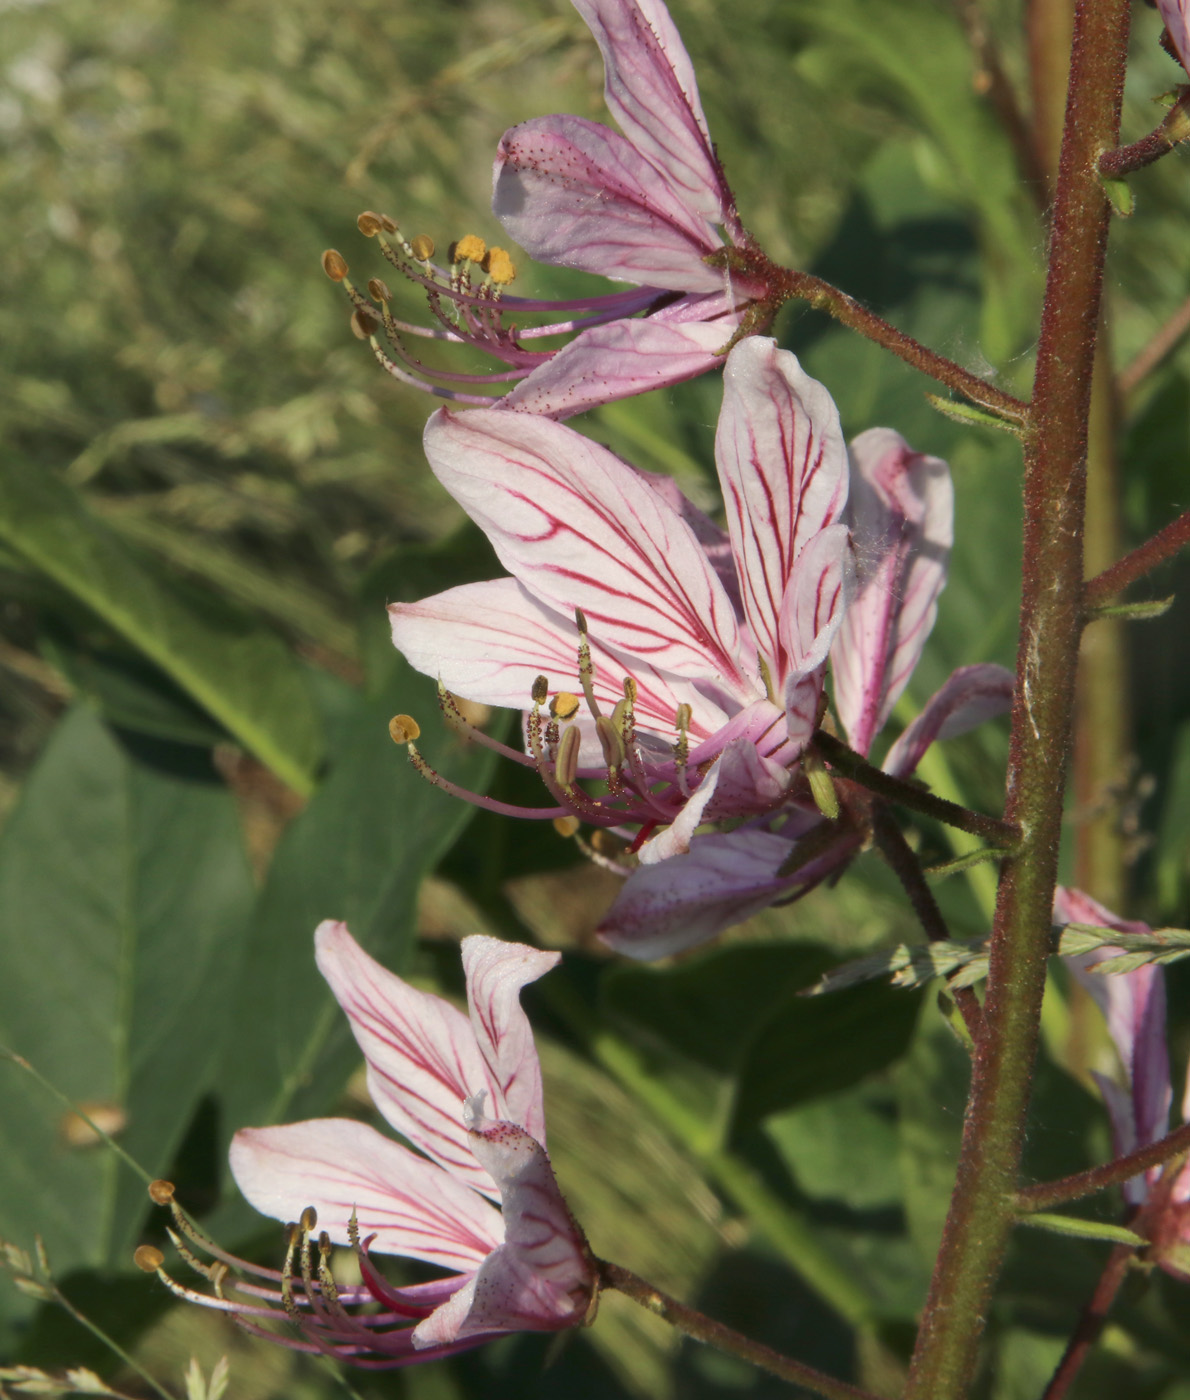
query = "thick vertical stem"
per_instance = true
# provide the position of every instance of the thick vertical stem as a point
(980, 1217)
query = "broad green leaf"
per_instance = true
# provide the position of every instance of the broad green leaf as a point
(358, 853)
(124, 893)
(240, 673)
(843, 1147)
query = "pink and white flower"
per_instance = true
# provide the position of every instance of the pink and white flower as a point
(1133, 1004)
(699, 652)
(477, 1198)
(649, 207)
(900, 514)
(1176, 14)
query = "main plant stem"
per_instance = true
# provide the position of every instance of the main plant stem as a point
(980, 1217)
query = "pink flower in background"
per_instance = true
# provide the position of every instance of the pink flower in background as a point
(465, 1090)
(1133, 1004)
(647, 207)
(701, 659)
(1176, 14)
(901, 517)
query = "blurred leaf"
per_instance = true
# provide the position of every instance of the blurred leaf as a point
(842, 1148)
(736, 1012)
(240, 673)
(123, 896)
(358, 853)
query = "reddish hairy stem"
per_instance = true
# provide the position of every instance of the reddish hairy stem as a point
(981, 1210)
(1090, 1323)
(907, 868)
(905, 794)
(1159, 142)
(1072, 1188)
(704, 1329)
(1163, 545)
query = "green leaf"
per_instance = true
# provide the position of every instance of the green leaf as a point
(239, 672)
(1083, 1229)
(124, 893)
(358, 853)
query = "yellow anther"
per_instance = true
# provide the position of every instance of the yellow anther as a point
(469, 248)
(423, 247)
(541, 688)
(161, 1192)
(378, 289)
(404, 729)
(564, 706)
(334, 265)
(370, 223)
(566, 826)
(148, 1258)
(388, 225)
(499, 266)
(364, 324)
(610, 740)
(683, 717)
(309, 1220)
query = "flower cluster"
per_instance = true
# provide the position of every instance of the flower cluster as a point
(650, 207)
(465, 1090)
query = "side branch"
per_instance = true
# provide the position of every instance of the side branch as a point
(1163, 343)
(1164, 545)
(1091, 1323)
(859, 770)
(1159, 142)
(704, 1329)
(1072, 1188)
(824, 297)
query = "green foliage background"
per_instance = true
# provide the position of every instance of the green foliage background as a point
(207, 493)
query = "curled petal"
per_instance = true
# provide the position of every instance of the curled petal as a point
(687, 900)
(783, 467)
(1133, 1004)
(971, 695)
(421, 1054)
(489, 641)
(579, 528)
(496, 971)
(651, 91)
(576, 194)
(619, 360)
(901, 515)
(338, 1165)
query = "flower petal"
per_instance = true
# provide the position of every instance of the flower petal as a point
(338, 1165)
(576, 194)
(652, 93)
(783, 467)
(423, 1060)
(489, 641)
(971, 695)
(1133, 1004)
(1175, 13)
(496, 971)
(901, 514)
(815, 600)
(579, 528)
(619, 360)
(686, 900)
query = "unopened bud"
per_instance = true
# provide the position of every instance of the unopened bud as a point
(566, 767)
(404, 729)
(822, 789)
(370, 223)
(564, 706)
(469, 248)
(423, 247)
(148, 1257)
(567, 826)
(161, 1192)
(309, 1220)
(541, 688)
(334, 264)
(499, 267)
(364, 324)
(378, 290)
